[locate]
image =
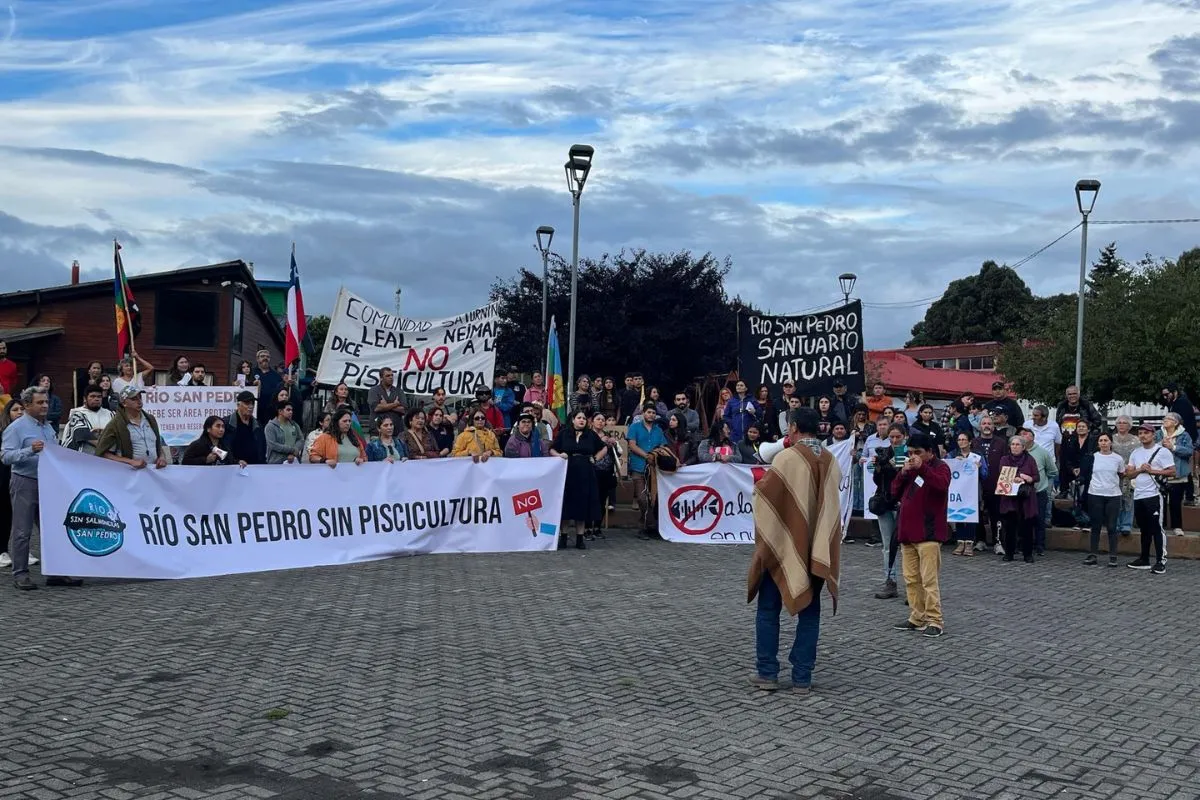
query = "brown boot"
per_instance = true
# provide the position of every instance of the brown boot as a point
(887, 592)
(958, 551)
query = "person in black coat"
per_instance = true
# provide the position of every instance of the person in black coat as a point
(925, 424)
(579, 446)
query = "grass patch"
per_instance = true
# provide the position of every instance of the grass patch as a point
(276, 714)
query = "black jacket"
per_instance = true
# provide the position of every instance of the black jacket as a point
(1076, 457)
(1085, 410)
(1187, 413)
(630, 400)
(1016, 417)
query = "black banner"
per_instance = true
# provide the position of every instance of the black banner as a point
(811, 349)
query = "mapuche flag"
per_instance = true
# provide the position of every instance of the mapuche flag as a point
(129, 317)
(294, 326)
(556, 397)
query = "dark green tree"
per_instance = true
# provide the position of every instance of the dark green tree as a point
(992, 306)
(666, 315)
(1140, 326)
(318, 328)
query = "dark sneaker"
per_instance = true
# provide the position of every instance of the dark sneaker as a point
(24, 582)
(1141, 563)
(887, 592)
(932, 631)
(766, 684)
(61, 581)
(1159, 568)
(1090, 561)
(1112, 561)
(908, 626)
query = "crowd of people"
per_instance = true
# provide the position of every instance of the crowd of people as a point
(1067, 453)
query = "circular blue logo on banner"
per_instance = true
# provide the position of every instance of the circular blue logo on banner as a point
(93, 524)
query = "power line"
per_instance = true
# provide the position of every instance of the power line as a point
(1143, 221)
(1041, 250)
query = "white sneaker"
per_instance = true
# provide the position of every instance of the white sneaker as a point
(999, 549)
(5, 560)
(1178, 532)
(33, 560)
(980, 547)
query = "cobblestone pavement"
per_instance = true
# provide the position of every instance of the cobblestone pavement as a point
(616, 673)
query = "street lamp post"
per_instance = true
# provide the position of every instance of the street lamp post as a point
(847, 281)
(1085, 191)
(579, 164)
(544, 246)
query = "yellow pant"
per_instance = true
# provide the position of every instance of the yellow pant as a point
(921, 564)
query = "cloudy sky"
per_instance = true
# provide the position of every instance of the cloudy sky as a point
(421, 143)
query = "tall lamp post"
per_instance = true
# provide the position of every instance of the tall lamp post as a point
(847, 281)
(545, 235)
(1086, 192)
(579, 164)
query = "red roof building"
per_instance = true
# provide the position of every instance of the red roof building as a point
(942, 372)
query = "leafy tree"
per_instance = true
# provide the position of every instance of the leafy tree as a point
(1140, 326)
(992, 306)
(318, 328)
(666, 315)
(1109, 266)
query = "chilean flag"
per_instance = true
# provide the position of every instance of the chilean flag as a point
(294, 327)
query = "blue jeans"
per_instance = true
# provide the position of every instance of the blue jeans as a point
(1039, 524)
(887, 529)
(1125, 515)
(808, 627)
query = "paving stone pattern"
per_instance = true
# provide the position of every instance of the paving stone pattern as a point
(619, 672)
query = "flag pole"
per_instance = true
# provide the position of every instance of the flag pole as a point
(128, 322)
(285, 312)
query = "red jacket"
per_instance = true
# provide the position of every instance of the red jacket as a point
(922, 516)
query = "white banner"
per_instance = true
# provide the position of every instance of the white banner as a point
(712, 503)
(181, 410)
(868, 477)
(102, 519)
(843, 451)
(964, 489)
(456, 354)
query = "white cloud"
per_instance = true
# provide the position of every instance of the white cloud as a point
(422, 142)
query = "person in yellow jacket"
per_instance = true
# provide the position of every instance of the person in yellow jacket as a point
(477, 440)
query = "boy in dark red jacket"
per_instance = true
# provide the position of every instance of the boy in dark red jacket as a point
(923, 490)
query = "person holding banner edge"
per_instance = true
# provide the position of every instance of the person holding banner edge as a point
(340, 444)
(797, 551)
(23, 442)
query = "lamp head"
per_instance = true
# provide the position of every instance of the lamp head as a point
(545, 235)
(1086, 192)
(847, 281)
(579, 164)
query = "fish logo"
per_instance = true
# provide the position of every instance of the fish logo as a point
(93, 524)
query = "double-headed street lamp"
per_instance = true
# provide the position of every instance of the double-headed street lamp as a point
(545, 235)
(579, 164)
(1086, 192)
(847, 281)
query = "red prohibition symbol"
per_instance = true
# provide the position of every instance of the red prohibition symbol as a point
(684, 511)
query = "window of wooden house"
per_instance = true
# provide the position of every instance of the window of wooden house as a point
(185, 320)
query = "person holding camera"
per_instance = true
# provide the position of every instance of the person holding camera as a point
(883, 504)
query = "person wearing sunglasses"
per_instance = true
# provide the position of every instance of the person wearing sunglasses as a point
(477, 440)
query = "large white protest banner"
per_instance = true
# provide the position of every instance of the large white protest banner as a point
(102, 519)
(964, 489)
(713, 503)
(456, 354)
(181, 410)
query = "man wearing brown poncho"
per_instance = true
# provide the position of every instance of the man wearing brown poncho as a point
(797, 550)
